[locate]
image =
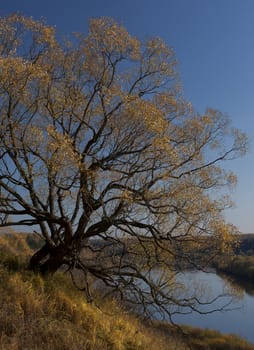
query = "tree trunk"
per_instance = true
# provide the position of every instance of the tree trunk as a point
(48, 259)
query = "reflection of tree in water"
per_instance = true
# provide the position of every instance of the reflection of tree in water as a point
(239, 285)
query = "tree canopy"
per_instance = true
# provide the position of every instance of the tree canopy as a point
(102, 156)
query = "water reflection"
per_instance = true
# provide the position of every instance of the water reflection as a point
(237, 283)
(238, 321)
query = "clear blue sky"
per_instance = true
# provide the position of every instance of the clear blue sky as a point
(214, 44)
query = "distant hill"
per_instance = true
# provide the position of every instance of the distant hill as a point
(246, 244)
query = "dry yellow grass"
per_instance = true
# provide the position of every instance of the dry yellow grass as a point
(50, 314)
(39, 313)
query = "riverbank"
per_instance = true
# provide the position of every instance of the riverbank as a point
(238, 266)
(50, 314)
(206, 339)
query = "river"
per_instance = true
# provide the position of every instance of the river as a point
(237, 321)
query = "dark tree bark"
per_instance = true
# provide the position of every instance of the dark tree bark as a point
(48, 259)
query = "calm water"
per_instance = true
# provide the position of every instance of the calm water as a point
(238, 321)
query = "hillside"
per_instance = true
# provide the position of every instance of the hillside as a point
(246, 243)
(50, 314)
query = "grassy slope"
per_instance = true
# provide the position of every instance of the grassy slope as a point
(49, 314)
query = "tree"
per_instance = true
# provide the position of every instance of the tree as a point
(102, 156)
